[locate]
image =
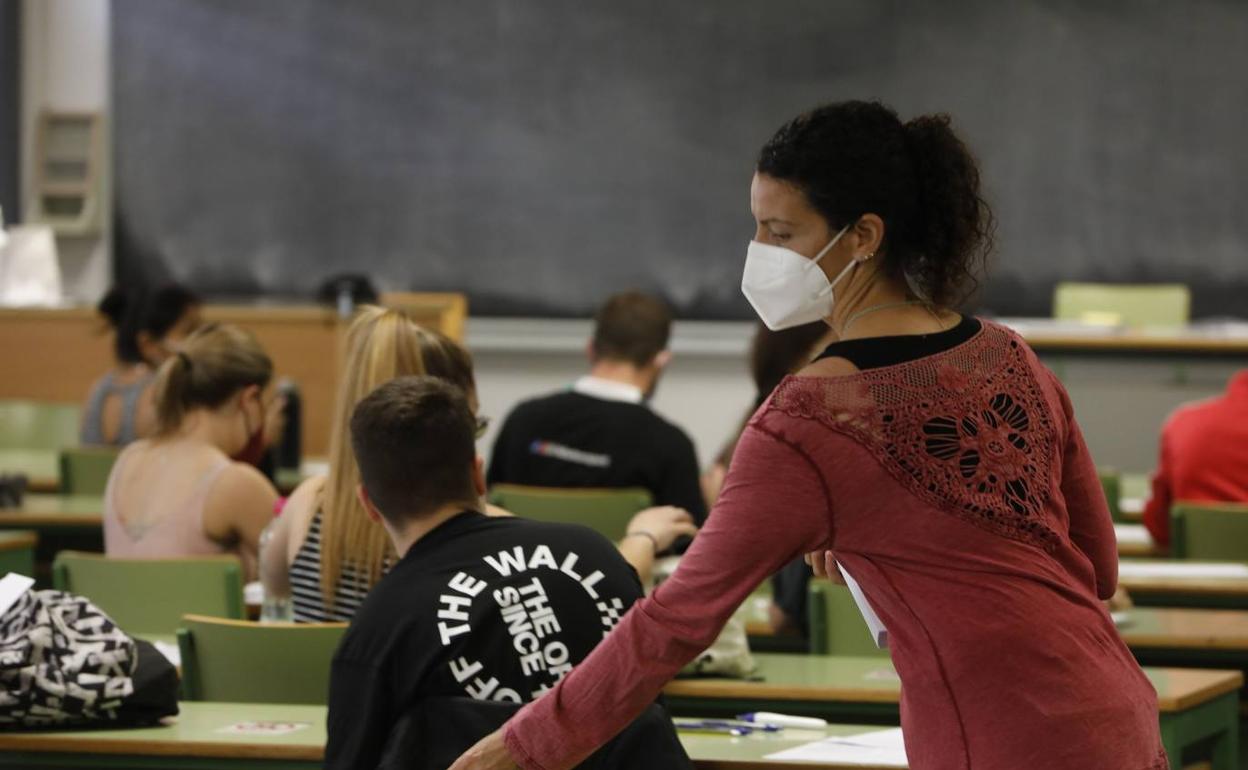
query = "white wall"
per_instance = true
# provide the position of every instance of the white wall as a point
(65, 67)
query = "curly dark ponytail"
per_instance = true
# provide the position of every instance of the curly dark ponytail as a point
(854, 158)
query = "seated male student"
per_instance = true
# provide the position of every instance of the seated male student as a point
(492, 608)
(600, 432)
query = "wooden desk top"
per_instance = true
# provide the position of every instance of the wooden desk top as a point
(17, 541)
(873, 680)
(40, 466)
(1135, 541)
(46, 511)
(195, 732)
(1196, 339)
(1189, 629)
(726, 752)
(1195, 586)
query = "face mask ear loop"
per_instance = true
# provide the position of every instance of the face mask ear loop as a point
(828, 248)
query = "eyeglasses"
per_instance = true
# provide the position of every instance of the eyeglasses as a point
(483, 424)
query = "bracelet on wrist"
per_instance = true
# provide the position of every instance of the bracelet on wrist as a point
(642, 533)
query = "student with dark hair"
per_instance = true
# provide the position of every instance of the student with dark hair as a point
(600, 432)
(146, 327)
(178, 493)
(495, 609)
(928, 454)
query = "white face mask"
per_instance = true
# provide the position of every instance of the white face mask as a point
(787, 289)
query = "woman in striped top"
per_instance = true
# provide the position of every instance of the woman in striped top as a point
(332, 553)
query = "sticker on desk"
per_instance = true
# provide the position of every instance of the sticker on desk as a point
(264, 728)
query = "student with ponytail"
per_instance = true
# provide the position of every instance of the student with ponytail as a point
(178, 493)
(928, 454)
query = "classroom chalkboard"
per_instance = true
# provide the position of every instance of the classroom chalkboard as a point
(541, 154)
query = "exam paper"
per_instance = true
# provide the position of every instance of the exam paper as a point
(12, 586)
(1182, 569)
(878, 632)
(882, 748)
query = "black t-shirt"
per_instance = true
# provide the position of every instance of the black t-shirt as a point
(789, 585)
(572, 439)
(492, 608)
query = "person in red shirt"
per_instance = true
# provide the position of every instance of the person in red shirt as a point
(928, 454)
(1203, 457)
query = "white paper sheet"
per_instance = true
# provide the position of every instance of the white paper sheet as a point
(880, 747)
(12, 586)
(1134, 534)
(878, 632)
(1132, 505)
(1181, 569)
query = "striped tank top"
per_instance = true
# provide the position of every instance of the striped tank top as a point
(305, 584)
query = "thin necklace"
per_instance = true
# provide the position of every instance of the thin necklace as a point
(874, 308)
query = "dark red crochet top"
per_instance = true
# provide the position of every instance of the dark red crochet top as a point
(958, 491)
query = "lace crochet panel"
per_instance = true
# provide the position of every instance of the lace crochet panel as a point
(967, 430)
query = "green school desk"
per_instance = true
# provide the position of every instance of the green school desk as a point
(196, 741)
(42, 467)
(1184, 591)
(1195, 704)
(17, 552)
(63, 522)
(46, 512)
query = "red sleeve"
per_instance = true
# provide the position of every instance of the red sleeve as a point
(1157, 510)
(1091, 524)
(774, 506)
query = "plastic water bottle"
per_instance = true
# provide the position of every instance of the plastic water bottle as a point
(276, 605)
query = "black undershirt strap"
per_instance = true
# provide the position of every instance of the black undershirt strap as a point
(875, 352)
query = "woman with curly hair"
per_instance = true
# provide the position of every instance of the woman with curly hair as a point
(928, 454)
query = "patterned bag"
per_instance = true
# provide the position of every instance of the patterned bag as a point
(64, 662)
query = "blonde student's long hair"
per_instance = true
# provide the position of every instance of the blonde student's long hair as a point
(213, 364)
(382, 344)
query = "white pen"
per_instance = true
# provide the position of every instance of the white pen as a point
(784, 720)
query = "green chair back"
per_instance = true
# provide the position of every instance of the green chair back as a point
(1209, 531)
(1161, 304)
(836, 625)
(1111, 484)
(148, 597)
(606, 511)
(38, 425)
(17, 552)
(85, 470)
(237, 661)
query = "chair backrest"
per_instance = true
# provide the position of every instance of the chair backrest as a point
(1111, 484)
(606, 511)
(150, 596)
(85, 470)
(38, 424)
(836, 625)
(238, 661)
(1160, 304)
(1209, 531)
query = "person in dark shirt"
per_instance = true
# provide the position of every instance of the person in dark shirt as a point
(493, 608)
(600, 432)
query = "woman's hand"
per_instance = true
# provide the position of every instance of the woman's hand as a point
(663, 525)
(823, 563)
(489, 753)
